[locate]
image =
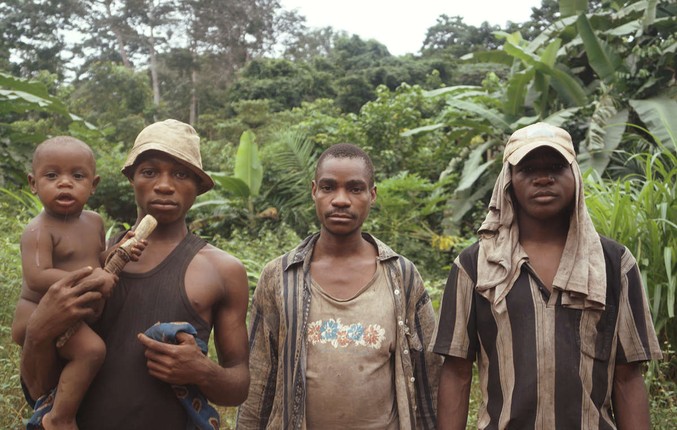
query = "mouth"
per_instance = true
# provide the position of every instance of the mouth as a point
(65, 199)
(163, 204)
(544, 196)
(340, 216)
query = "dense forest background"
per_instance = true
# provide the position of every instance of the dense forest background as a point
(267, 94)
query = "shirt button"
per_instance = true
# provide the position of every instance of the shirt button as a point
(412, 379)
(406, 351)
(397, 292)
(400, 322)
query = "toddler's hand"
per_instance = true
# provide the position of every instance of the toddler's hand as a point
(105, 280)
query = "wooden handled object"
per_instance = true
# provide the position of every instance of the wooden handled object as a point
(122, 255)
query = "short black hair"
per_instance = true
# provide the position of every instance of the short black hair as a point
(347, 150)
(61, 140)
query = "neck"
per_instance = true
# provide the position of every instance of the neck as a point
(173, 232)
(63, 218)
(336, 246)
(531, 230)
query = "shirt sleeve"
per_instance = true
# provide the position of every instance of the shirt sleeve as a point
(428, 365)
(636, 339)
(254, 413)
(456, 331)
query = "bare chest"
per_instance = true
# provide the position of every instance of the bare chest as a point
(343, 280)
(73, 248)
(545, 262)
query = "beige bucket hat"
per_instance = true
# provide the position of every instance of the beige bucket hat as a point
(526, 139)
(174, 138)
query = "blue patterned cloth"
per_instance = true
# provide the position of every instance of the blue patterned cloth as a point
(202, 415)
(42, 406)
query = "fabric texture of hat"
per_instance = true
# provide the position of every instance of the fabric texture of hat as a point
(176, 139)
(526, 139)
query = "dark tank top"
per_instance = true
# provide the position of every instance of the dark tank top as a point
(123, 395)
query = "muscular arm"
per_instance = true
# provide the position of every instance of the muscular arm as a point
(63, 304)
(629, 397)
(226, 382)
(454, 394)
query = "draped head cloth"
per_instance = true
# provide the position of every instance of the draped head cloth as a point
(581, 276)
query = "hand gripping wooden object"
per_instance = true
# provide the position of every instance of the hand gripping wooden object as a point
(123, 254)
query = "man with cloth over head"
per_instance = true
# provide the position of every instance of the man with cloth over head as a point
(555, 314)
(339, 325)
(179, 278)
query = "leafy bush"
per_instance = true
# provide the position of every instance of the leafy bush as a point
(640, 212)
(13, 407)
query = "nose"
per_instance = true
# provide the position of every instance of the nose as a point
(544, 178)
(164, 184)
(64, 181)
(341, 198)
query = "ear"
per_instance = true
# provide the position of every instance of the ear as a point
(373, 194)
(95, 182)
(31, 183)
(313, 189)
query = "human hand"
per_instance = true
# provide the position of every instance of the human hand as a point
(105, 281)
(65, 303)
(179, 364)
(137, 247)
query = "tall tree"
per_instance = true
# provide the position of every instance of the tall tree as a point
(32, 35)
(450, 35)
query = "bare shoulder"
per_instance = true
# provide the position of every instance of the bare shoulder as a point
(221, 259)
(36, 228)
(92, 218)
(33, 226)
(229, 269)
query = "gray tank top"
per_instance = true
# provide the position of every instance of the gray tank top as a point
(124, 395)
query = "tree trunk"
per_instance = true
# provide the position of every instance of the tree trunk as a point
(193, 92)
(154, 75)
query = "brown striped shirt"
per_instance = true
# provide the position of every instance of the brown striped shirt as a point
(543, 365)
(278, 342)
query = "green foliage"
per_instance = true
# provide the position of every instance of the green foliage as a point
(27, 200)
(640, 212)
(114, 194)
(406, 216)
(28, 115)
(247, 163)
(255, 249)
(119, 114)
(290, 165)
(244, 185)
(451, 36)
(13, 407)
(284, 83)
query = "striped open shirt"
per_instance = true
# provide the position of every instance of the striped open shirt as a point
(542, 365)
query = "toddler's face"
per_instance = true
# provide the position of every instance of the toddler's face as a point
(63, 177)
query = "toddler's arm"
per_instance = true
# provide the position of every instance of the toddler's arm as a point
(37, 265)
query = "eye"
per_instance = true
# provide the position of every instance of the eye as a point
(325, 188)
(147, 172)
(79, 176)
(51, 175)
(182, 174)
